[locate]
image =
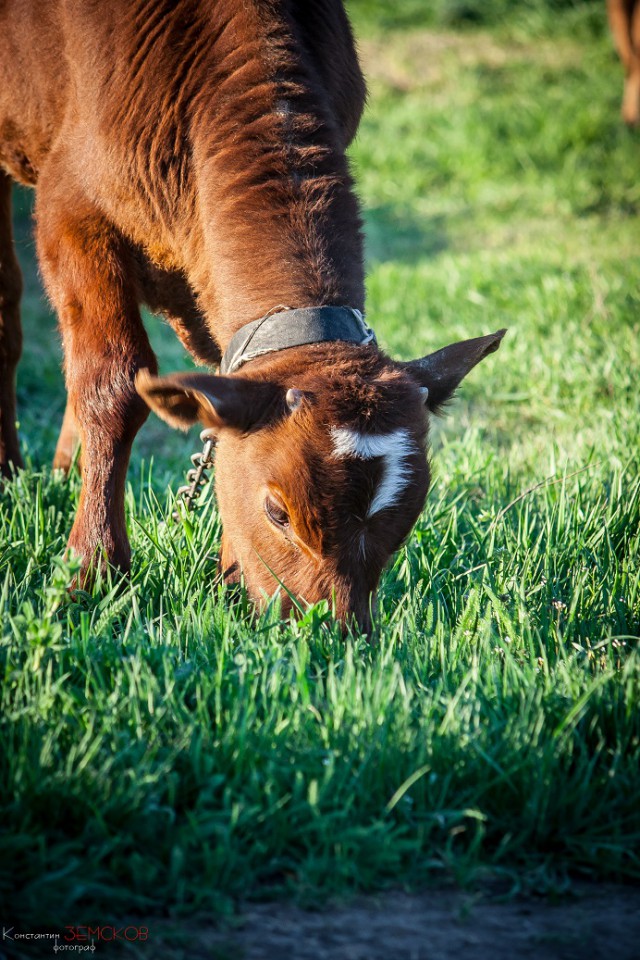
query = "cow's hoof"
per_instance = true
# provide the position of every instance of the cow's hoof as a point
(10, 467)
(97, 565)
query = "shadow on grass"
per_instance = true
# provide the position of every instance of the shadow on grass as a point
(394, 233)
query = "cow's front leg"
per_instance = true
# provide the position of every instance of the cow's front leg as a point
(10, 334)
(87, 271)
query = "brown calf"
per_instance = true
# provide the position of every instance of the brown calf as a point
(190, 155)
(624, 19)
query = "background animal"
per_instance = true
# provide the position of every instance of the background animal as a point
(624, 19)
(191, 156)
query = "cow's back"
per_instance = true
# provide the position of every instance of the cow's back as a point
(33, 83)
(126, 60)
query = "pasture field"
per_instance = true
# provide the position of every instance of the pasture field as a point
(162, 750)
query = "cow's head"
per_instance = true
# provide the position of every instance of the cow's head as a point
(321, 463)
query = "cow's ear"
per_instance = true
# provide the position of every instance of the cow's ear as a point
(441, 372)
(182, 399)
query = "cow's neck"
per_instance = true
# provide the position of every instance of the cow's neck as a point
(279, 218)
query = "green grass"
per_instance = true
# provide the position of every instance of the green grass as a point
(160, 749)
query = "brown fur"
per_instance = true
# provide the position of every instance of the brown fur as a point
(624, 19)
(326, 500)
(190, 155)
(10, 333)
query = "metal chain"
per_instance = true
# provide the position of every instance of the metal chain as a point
(197, 476)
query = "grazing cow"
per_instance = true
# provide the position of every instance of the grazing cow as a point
(190, 155)
(624, 19)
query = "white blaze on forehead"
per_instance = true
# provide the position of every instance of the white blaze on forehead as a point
(395, 447)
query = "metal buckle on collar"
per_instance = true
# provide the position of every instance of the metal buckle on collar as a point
(370, 336)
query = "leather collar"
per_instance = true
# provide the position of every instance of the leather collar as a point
(286, 328)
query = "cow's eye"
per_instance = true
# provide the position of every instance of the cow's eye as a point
(276, 512)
